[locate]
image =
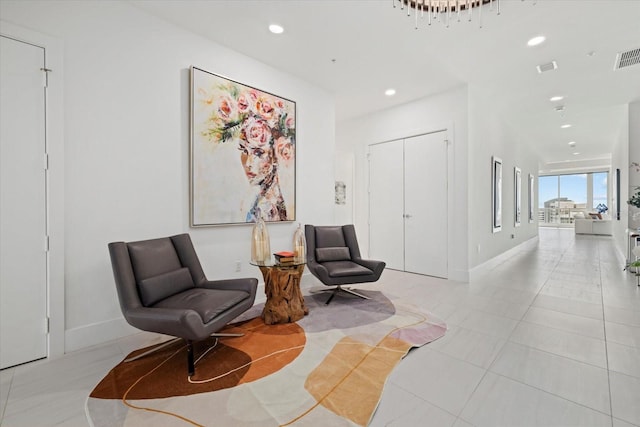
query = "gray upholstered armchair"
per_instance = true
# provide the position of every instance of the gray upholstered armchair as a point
(333, 256)
(162, 288)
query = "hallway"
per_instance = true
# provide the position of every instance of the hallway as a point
(549, 337)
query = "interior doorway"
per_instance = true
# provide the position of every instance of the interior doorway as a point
(408, 204)
(23, 203)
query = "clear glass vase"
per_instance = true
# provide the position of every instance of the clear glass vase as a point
(260, 245)
(299, 245)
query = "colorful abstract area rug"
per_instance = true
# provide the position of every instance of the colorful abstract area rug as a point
(328, 369)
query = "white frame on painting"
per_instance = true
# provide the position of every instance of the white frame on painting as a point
(531, 199)
(243, 162)
(496, 194)
(517, 176)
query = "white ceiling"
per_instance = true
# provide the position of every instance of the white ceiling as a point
(376, 47)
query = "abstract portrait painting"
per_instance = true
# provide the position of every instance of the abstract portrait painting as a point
(243, 143)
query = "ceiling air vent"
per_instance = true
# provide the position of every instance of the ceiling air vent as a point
(627, 59)
(547, 67)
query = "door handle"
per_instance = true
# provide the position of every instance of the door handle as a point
(407, 216)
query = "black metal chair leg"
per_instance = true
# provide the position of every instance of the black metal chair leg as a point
(190, 366)
(333, 294)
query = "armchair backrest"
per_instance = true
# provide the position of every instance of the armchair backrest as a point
(332, 243)
(149, 270)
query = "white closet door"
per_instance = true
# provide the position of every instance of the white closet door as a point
(386, 240)
(23, 265)
(425, 202)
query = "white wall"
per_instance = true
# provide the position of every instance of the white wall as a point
(344, 172)
(477, 133)
(576, 166)
(126, 103)
(490, 136)
(634, 156)
(620, 160)
(444, 111)
(55, 178)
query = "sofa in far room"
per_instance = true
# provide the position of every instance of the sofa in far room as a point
(593, 223)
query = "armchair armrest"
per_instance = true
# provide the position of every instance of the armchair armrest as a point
(373, 265)
(183, 323)
(320, 270)
(244, 284)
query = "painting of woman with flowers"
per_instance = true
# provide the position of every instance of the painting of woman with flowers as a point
(242, 153)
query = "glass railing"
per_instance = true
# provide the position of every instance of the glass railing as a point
(564, 217)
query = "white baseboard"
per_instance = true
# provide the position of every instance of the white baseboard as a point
(109, 330)
(459, 275)
(96, 333)
(490, 264)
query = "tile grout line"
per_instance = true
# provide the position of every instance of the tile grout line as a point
(555, 328)
(547, 352)
(605, 339)
(488, 369)
(6, 402)
(508, 339)
(544, 391)
(604, 327)
(421, 399)
(552, 394)
(606, 368)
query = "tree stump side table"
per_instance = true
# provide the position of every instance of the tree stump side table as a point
(285, 303)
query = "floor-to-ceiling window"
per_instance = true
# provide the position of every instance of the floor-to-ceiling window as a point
(560, 197)
(600, 189)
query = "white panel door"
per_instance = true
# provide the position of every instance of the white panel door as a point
(386, 240)
(425, 205)
(23, 262)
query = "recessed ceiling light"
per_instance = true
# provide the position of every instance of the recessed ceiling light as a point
(549, 66)
(572, 144)
(276, 29)
(536, 41)
(576, 153)
(556, 98)
(390, 92)
(565, 126)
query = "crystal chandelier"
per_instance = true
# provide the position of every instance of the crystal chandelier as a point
(446, 11)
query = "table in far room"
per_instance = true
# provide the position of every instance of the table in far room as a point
(285, 303)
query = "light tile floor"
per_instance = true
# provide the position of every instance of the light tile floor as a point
(550, 337)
